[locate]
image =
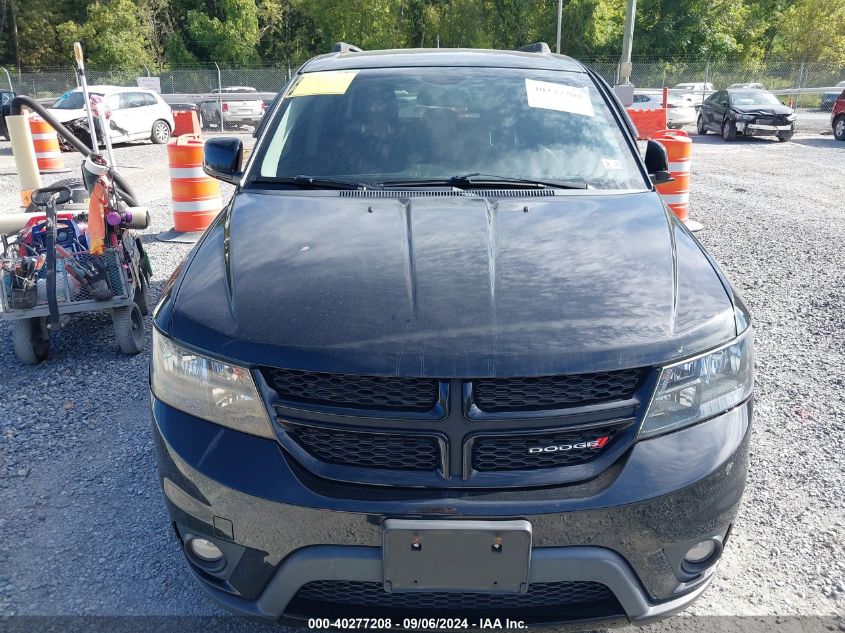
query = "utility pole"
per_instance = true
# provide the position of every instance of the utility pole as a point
(559, 20)
(627, 43)
(15, 44)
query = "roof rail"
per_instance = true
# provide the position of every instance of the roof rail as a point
(343, 47)
(536, 47)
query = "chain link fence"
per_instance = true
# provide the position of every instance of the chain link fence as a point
(813, 83)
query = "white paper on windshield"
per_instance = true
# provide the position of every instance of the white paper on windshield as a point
(560, 97)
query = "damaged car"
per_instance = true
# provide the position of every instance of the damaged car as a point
(134, 114)
(746, 112)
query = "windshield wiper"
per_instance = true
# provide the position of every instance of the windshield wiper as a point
(319, 182)
(468, 181)
(485, 180)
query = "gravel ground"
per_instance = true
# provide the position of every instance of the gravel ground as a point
(83, 525)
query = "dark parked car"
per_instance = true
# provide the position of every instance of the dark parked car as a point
(746, 112)
(447, 354)
(184, 107)
(829, 98)
(6, 97)
(837, 118)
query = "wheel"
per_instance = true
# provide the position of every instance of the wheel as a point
(784, 137)
(142, 294)
(728, 130)
(73, 183)
(839, 128)
(160, 133)
(700, 127)
(31, 346)
(129, 328)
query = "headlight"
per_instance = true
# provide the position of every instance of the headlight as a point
(699, 388)
(207, 388)
(790, 117)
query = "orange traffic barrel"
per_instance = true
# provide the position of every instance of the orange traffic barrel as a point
(647, 122)
(186, 122)
(196, 196)
(46, 143)
(679, 151)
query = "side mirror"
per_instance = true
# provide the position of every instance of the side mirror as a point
(724, 103)
(222, 159)
(657, 163)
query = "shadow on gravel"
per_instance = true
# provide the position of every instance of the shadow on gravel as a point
(826, 143)
(715, 139)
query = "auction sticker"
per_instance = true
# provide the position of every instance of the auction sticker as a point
(560, 97)
(332, 82)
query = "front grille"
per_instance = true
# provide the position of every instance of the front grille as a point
(568, 600)
(364, 449)
(498, 395)
(552, 450)
(376, 393)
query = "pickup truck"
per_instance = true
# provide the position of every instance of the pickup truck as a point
(239, 104)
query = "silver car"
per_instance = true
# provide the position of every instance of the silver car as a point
(239, 105)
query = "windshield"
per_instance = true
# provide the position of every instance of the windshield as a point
(754, 97)
(72, 100)
(426, 124)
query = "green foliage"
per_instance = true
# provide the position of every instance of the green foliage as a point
(124, 34)
(813, 30)
(113, 35)
(225, 31)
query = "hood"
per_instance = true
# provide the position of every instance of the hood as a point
(764, 109)
(450, 286)
(64, 116)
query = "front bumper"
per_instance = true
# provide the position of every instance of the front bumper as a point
(282, 528)
(758, 129)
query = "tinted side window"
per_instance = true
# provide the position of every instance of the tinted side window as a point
(133, 99)
(149, 99)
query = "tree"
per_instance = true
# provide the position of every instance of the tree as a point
(813, 30)
(114, 35)
(226, 32)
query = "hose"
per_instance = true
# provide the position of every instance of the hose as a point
(52, 303)
(18, 102)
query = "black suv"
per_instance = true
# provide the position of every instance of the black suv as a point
(447, 354)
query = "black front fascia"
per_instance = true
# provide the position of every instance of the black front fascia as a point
(454, 424)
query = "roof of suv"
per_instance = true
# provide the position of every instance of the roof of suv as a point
(421, 57)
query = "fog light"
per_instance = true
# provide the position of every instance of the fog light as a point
(205, 550)
(701, 552)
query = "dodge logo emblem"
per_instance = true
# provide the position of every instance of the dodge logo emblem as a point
(595, 444)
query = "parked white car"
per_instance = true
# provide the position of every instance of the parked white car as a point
(748, 86)
(135, 113)
(680, 110)
(697, 92)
